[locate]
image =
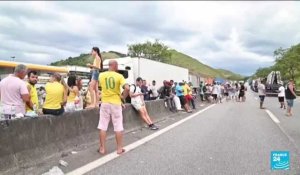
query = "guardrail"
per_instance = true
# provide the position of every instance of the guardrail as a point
(27, 141)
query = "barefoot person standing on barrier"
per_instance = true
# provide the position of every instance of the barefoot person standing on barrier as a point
(93, 86)
(111, 106)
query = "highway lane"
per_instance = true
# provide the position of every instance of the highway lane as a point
(291, 125)
(230, 138)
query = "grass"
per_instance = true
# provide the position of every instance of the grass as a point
(177, 58)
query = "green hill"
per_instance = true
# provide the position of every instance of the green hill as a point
(177, 58)
(83, 59)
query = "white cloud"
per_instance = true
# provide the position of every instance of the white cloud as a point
(221, 34)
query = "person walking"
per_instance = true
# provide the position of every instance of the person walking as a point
(261, 93)
(281, 95)
(14, 93)
(290, 96)
(215, 92)
(56, 96)
(33, 95)
(111, 83)
(93, 85)
(201, 91)
(242, 93)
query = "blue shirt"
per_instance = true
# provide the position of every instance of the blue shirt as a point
(179, 90)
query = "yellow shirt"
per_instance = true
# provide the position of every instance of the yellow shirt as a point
(33, 97)
(71, 97)
(111, 83)
(54, 95)
(186, 89)
(97, 62)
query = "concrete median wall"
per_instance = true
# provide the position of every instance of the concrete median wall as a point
(29, 141)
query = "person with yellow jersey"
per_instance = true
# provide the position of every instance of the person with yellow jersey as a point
(56, 96)
(33, 96)
(73, 94)
(111, 83)
(187, 96)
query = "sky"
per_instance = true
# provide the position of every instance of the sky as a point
(238, 36)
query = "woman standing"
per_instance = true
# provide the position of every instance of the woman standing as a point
(73, 94)
(290, 95)
(93, 86)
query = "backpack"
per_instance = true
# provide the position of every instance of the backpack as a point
(128, 98)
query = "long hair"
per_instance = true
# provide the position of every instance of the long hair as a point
(97, 50)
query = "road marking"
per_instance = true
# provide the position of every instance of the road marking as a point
(272, 116)
(92, 165)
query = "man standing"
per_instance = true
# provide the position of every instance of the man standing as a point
(281, 95)
(153, 91)
(33, 95)
(261, 93)
(138, 103)
(201, 91)
(13, 92)
(290, 96)
(111, 107)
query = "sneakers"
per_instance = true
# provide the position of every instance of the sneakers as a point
(153, 127)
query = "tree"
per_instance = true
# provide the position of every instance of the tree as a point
(288, 61)
(154, 51)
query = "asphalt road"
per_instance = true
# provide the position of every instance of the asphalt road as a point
(229, 138)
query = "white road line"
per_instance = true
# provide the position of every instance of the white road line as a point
(272, 116)
(92, 165)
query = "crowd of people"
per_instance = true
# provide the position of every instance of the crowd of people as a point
(19, 98)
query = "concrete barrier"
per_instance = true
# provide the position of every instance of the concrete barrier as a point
(29, 141)
(298, 93)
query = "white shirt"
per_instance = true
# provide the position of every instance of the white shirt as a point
(215, 89)
(137, 99)
(154, 91)
(261, 89)
(281, 92)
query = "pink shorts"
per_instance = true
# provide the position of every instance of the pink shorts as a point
(115, 112)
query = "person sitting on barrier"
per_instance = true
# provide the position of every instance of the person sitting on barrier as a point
(73, 94)
(138, 103)
(145, 91)
(153, 91)
(111, 83)
(33, 95)
(56, 96)
(13, 93)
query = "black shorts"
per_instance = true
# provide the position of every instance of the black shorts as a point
(215, 96)
(226, 94)
(182, 100)
(241, 95)
(53, 111)
(281, 99)
(262, 98)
